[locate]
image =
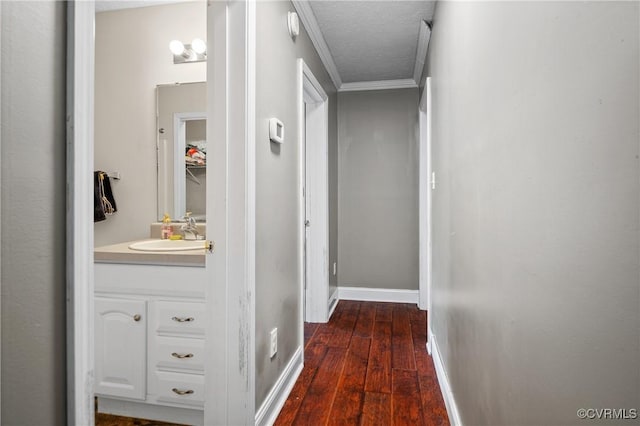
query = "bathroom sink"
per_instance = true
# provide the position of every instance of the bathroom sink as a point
(168, 245)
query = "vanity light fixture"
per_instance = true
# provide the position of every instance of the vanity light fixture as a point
(188, 53)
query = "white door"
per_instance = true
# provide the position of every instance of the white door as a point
(313, 118)
(426, 186)
(120, 342)
(307, 214)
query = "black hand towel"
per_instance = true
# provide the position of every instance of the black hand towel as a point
(103, 202)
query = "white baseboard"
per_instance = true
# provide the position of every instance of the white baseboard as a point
(378, 294)
(445, 386)
(333, 302)
(278, 395)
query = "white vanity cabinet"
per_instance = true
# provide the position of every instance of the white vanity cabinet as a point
(149, 341)
(120, 347)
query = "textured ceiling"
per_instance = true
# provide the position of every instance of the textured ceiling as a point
(372, 40)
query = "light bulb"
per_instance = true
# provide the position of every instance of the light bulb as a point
(176, 47)
(199, 46)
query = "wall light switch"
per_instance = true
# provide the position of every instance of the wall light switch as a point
(276, 130)
(274, 343)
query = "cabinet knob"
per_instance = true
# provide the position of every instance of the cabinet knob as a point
(137, 317)
(182, 392)
(183, 319)
(181, 356)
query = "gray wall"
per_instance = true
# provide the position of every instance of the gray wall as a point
(33, 213)
(378, 189)
(277, 224)
(536, 215)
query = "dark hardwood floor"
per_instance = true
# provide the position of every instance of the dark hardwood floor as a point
(367, 366)
(111, 420)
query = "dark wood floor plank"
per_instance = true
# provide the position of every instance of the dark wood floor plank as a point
(294, 401)
(433, 407)
(314, 354)
(323, 334)
(407, 409)
(366, 318)
(376, 410)
(419, 336)
(344, 325)
(347, 408)
(317, 403)
(355, 371)
(424, 362)
(347, 405)
(401, 341)
(384, 311)
(379, 368)
(417, 315)
(309, 330)
(102, 419)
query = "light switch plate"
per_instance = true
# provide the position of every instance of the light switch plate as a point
(276, 130)
(274, 343)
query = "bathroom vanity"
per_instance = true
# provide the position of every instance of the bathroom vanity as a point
(149, 333)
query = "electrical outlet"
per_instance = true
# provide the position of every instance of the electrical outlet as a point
(274, 343)
(335, 268)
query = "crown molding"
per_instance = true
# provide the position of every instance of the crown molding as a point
(421, 51)
(310, 23)
(357, 86)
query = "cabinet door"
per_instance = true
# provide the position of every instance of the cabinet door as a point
(120, 344)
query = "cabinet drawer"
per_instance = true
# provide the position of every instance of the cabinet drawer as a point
(178, 353)
(180, 388)
(180, 318)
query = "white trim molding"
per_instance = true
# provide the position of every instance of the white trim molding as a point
(421, 51)
(310, 23)
(230, 269)
(445, 386)
(273, 403)
(358, 86)
(313, 119)
(366, 294)
(180, 120)
(80, 283)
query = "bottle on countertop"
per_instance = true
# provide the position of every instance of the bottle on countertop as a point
(166, 230)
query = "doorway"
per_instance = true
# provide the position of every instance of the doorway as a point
(314, 183)
(230, 400)
(426, 186)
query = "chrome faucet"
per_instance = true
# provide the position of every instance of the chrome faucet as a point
(189, 229)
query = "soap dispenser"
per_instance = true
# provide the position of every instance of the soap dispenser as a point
(167, 229)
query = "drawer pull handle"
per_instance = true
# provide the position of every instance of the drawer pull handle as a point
(137, 317)
(182, 392)
(181, 356)
(183, 319)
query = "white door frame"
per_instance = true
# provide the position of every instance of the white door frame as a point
(231, 94)
(229, 371)
(80, 285)
(313, 116)
(425, 206)
(180, 120)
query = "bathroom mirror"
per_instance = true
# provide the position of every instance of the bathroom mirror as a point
(181, 149)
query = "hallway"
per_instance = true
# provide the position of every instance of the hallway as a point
(367, 366)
